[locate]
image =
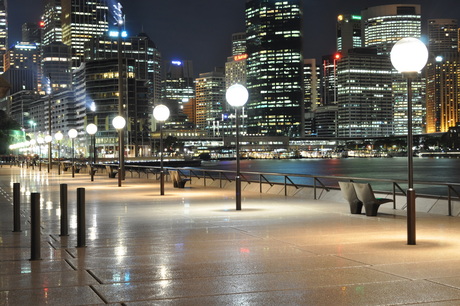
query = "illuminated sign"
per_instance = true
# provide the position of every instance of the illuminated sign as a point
(177, 63)
(240, 57)
(124, 34)
(356, 17)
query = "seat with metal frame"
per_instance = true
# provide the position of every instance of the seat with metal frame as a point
(349, 193)
(366, 195)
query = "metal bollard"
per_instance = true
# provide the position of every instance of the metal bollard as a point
(81, 218)
(64, 214)
(16, 207)
(35, 227)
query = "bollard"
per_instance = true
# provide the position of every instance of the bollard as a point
(81, 221)
(64, 214)
(16, 207)
(35, 226)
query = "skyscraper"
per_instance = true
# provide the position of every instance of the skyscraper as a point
(274, 67)
(81, 21)
(443, 76)
(3, 31)
(349, 33)
(383, 26)
(51, 22)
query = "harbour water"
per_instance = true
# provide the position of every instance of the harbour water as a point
(425, 169)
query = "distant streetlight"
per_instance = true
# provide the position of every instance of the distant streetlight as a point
(237, 96)
(409, 56)
(48, 140)
(91, 129)
(161, 113)
(119, 123)
(72, 135)
(40, 142)
(58, 136)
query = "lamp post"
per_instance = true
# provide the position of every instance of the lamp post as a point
(91, 129)
(161, 114)
(58, 136)
(40, 142)
(48, 140)
(237, 96)
(119, 123)
(409, 56)
(72, 135)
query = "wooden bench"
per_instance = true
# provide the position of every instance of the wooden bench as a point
(111, 171)
(366, 195)
(178, 180)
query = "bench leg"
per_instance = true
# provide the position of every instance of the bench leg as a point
(371, 209)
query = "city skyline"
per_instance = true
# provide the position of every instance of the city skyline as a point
(178, 32)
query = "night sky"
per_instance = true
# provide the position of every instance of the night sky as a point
(200, 30)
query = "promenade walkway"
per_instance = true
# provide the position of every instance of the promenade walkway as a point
(190, 247)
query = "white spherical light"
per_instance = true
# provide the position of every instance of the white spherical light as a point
(118, 122)
(237, 95)
(72, 133)
(48, 138)
(409, 55)
(161, 112)
(91, 129)
(58, 136)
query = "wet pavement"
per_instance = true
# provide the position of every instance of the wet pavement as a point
(190, 247)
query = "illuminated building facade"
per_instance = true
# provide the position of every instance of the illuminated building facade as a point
(364, 94)
(239, 43)
(442, 76)
(51, 22)
(312, 89)
(274, 68)
(3, 32)
(21, 63)
(56, 66)
(383, 26)
(349, 33)
(31, 32)
(210, 100)
(140, 48)
(81, 21)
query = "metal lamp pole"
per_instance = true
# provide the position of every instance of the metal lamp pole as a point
(237, 96)
(409, 56)
(119, 123)
(72, 134)
(161, 114)
(58, 136)
(91, 129)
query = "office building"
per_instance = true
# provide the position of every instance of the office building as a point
(274, 68)
(140, 48)
(3, 32)
(51, 22)
(31, 32)
(210, 101)
(81, 21)
(364, 94)
(383, 26)
(56, 66)
(329, 79)
(21, 63)
(349, 33)
(238, 43)
(442, 76)
(312, 90)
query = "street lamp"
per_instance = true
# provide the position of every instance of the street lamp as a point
(91, 129)
(72, 135)
(237, 96)
(119, 123)
(40, 142)
(161, 113)
(58, 136)
(409, 56)
(48, 139)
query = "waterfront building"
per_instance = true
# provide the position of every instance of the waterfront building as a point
(383, 26)
(81, 21)
(442, 76)
(312, 89)
(140, 48)
(96, 90)
(18, 107)
(210, 101)
(364, 94)
(235, 70)
(21, 63)
(51, 22)
(274, 68)
(3, 32)
(56, 67)
(326, 121)
(238, 43)
(349, 33)
(329, 79)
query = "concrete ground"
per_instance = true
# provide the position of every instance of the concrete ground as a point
(190, 247)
